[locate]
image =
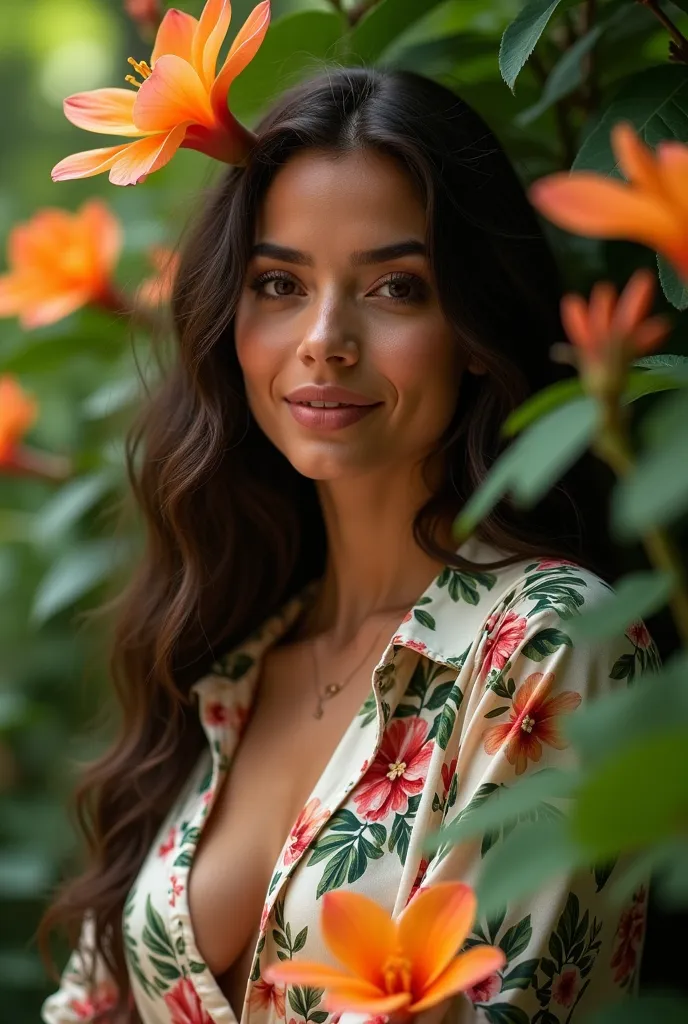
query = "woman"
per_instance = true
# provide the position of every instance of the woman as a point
(357, 310)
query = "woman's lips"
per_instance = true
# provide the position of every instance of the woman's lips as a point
(329, 419)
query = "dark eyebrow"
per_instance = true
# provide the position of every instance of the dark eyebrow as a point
(409, 247)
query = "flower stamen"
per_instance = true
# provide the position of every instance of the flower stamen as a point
(528, 724)
(142, 67)
(396, 770)
(397, 974)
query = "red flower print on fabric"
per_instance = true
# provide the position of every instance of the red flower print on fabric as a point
(219, 715)
(553, 563)
(168, 845)
(565, 987)
(416, 645)
(265, 996)
(397, 772)
(499, 648)
(485, 990)
(448, 771)
(104, 998)
(533, 721)
(629, 937)
(422, 868)
(407, 617)
(176, 889)
(308, 824)
(185, 1006)
(639, 634)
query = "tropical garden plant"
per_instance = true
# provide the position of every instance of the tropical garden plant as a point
(597, 86)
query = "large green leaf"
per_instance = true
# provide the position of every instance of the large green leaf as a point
(636, 596)
(294, 46)
(655, 704)
(655, 101)
(565, 76)
(75, 574)
(524, 862)
(521, 36)
(656, 492)
(673, 287)
(635, 798)
(535, 461)
(69, 504)
(383, 24)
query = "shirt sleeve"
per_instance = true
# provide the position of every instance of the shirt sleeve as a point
(567, 950)
(77, 1001)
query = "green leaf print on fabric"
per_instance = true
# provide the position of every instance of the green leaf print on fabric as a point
(161, 952)
(233, 666)
(443, 725)
(425, 618)
(130, 945)
(544, 643)
(304, 999)
(346, 850)
(560, 595)
(424, 687)
(504, 1013)
(255, 970)
(274, 881)
(463, 585)
(282, 935)
(573, 948)
(400, 833)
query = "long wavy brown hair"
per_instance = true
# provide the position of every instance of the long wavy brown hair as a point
(231, 529)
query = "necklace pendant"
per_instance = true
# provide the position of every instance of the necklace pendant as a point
(333, 689)
(318, 713)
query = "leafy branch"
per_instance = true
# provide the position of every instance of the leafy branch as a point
(678, 47)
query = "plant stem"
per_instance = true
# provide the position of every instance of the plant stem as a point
(679, 48)
(613, 447)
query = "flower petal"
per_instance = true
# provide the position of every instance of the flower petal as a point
(637, 161)
(102, 232)
(359, 933)
(209, 37)
(587, 204)
(51, 309)
(496, 737)
(564, 702)
(528, 691)
(175, 35)
(107, 111)
(242, 51)
(346, 1000)
(635, 302)
(88, 163)
(173, 95)
(603, 299)
(433, 926)
(465, 970)
(650, 334)
(305, 972)
(145, 156)
(574, 317)
(673, 157)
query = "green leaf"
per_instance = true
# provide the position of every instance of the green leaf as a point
(111, 397)
(541, 403)
(663, 361)
(75, 574)
(168, 971)
(504, 1013)
(425, 618)
(344, 820)
(524, 862)
(378, 832)
(521, 36)
(73, 500)
(440, 696)
(493, 805)
(521, 976)
(196, 966)
(636, 596)
(383, 24)
(546, 642)
(651, 775)
(656, 704)
(336, 870)
(155, 934)
(565, 76)
(655, 101)
(534, 461)
(673, 287)
(656, 491)
(295, 45)
(515, 940)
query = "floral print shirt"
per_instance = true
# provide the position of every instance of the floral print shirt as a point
(468, 696)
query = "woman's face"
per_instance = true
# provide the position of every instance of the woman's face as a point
(339, 306)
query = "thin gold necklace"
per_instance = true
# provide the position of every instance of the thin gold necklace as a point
(332, 689)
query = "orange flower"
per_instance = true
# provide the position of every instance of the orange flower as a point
(652, 208)
(180, 102)
(401, 966)
(610, 331)
(18, 412)
(157, 290)
(60, 261)
(533, 721)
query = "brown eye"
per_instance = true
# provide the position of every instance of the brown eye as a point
(403, 288)
(275, 285)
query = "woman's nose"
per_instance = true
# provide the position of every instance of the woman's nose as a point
(329, 335)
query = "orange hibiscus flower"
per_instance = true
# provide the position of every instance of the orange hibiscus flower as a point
(265, 996)
(533, 721)
(181, 100)
(60, 261)
(652, 208)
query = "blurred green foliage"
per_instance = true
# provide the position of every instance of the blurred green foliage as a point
(550, 86)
